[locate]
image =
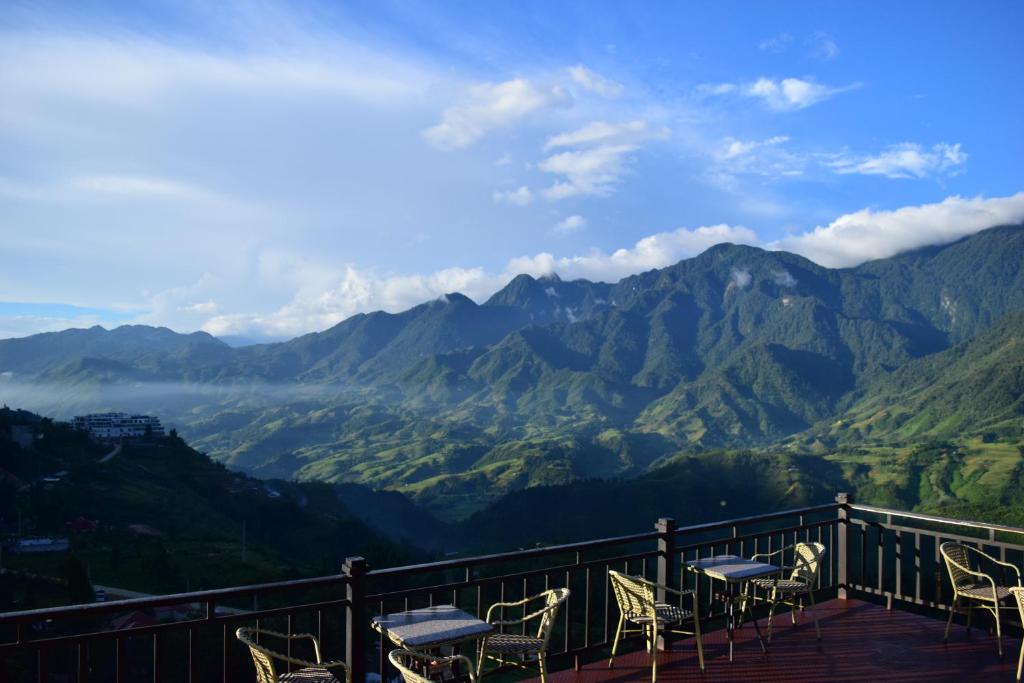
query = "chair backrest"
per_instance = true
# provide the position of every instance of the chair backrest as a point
(807, 562)
(957, 556)
(261, 656)
(635, 598)
(419, 667)
(1018, 593)
(553, 600)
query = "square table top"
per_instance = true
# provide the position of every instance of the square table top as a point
(732, 568)
(431, 626)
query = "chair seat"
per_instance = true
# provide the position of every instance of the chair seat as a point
(983, 591)
(313, 674)
(665, 614)
(512, 644)
(783, 585)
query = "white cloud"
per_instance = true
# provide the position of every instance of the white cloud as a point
(490, 106)
(783, 278)
(203, 307)
(355, 291)
(866, 234)
(135, 71)
(594, 82)
(905, 160)
(600, 160)
(775, 44)
(740, 277)
(631, 132)
(570, 224)
(587, 172)
(518, 197)
(655, 251)
(823, 46)
(768, 158)
(789, 94)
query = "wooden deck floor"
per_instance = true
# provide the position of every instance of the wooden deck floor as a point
(861, 642)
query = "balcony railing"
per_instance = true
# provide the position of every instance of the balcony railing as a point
(870, 551)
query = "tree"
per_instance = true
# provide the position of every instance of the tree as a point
(79, 586)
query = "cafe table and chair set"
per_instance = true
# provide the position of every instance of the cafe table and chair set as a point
(428, 640)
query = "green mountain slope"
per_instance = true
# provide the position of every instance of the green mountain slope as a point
(456, 403)
(973, 388)
(190, 510)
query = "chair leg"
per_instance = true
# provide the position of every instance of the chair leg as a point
(615, 643)
(543, 668)
(700, 646)
(771, 614)
(654, 651)
(814, 613)
(792, 609)
(482, 657)
(999, 633)
(1020, 662)
(952, 608)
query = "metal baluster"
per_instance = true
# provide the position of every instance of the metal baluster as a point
(607, 602)
(522, 627)
(225, 663)
(119, 660)
(568, 610)
(156, 658)
(193, 674)
(83, 663)
(586, 608)
(382, 663)
(917, 568)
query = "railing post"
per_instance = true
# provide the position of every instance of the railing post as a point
(666, 527)
(843, 578)
(355, 620)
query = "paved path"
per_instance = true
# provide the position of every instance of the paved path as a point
(111, 454)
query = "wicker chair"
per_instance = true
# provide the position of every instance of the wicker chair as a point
(420, 667)
(801, 582)
(638, 605)
(311, 672)
(1018, 593)
(498, 646)
(971, 585)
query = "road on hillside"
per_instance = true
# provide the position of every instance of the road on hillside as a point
(111, 454)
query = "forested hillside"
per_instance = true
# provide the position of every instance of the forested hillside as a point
(455, 403)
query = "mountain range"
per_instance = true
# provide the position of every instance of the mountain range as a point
(549, 381)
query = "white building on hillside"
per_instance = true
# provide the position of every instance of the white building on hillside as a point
(105, 426)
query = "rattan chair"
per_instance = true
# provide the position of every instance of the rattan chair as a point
(420, 667)
(971, 585)
(311, 672)
(1018, 593)
(499, 646)
(637, 598)
(803, 579)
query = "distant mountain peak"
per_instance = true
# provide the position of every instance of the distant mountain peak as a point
(455, 298)
(550, 277)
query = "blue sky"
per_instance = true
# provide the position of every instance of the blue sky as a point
(266, 169)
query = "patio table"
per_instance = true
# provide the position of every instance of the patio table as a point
(431, 627)
(734, 570)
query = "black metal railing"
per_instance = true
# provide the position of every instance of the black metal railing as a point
(865, 551)
(895, 555)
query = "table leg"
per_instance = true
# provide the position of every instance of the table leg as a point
(730, 624)
(757, 628)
